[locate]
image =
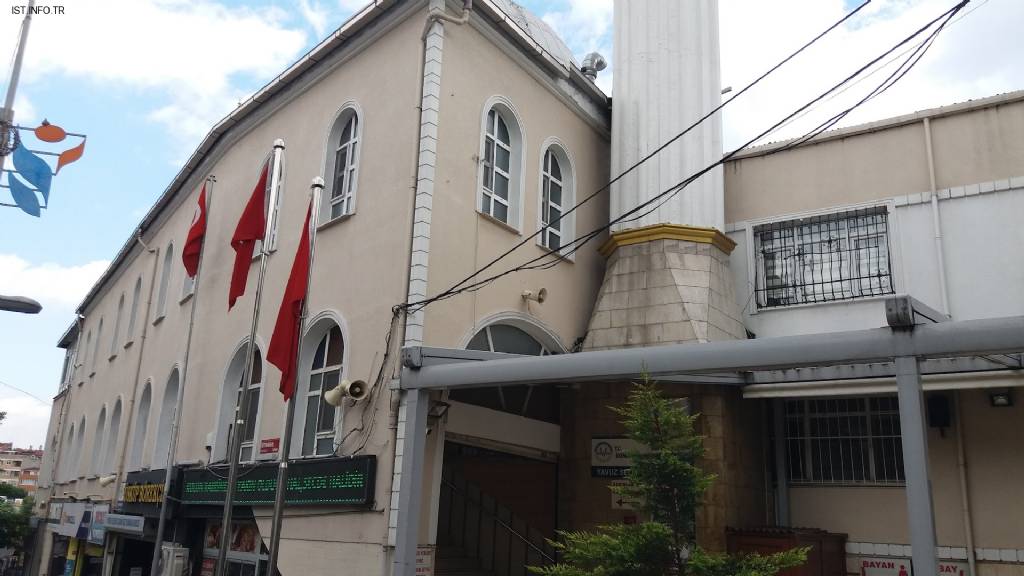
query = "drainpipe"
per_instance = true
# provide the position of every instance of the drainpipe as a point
(961, 464)
(119, 479)
(936, 222)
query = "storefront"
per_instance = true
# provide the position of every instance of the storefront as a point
(78, 539)
(133, 528)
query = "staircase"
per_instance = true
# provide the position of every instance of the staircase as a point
(476, 536)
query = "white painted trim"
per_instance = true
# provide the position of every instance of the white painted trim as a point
(529, 324)
(316, 327)
(568, 223)
(517, 178)
(327, 166)
(218, 441)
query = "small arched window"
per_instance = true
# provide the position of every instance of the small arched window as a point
(556, 196)
(342, 165)
(86, 348)
(96, 347)
(95, 464)
(114, 340)
(231, 396)
(165, 426)
(76, 460)
(324, 375)
(165, 277)
(136, 294)
(141, 427)
(501, 162)
(113, 431)
(68, 455)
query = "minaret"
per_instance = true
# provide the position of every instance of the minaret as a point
(667, 278)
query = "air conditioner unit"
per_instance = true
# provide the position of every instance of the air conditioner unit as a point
(173, 560)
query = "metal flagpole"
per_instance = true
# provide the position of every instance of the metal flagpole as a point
(282, 470)
(176, 420)
(7, 113)
(242, 408)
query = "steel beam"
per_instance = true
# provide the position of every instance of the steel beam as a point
(942, 340)
(410, 460)
(913, 433)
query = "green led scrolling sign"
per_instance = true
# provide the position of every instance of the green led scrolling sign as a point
(323, 482)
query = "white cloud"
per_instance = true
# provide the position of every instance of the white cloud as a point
(27, 419)
(52, 285)
(195, 53)
(352, 5)
(315, 14)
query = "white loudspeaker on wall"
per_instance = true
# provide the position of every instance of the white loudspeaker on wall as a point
(355, 389)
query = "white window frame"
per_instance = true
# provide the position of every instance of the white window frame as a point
(143, 412)
(98, 442)
(114, 344)
(165, 422)
(567, 166)
(318, 326)
(349, 111)
(109, 461)
(165, 278)
(318, 434)
(129, 336)
(229, 396)
(96, 348)
(516, 148)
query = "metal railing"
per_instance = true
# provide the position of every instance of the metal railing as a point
(483, 530)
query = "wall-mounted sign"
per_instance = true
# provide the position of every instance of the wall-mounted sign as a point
(72, 517)
(143, 492)
(98, 529)
(270, 446)
(620, 502)
(339, 481)
(903, 567)
(125, 523)
(608, 456)
(425, 560)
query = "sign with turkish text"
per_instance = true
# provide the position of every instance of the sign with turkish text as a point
(609, 456)
(903, 567)
(143, 492)
(270, 446)
(125, 523)
(98, 529)
(425, 561)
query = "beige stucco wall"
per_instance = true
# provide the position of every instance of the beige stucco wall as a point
(969, 147)
(995, 469)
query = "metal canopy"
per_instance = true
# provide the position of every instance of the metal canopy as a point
(918, 341)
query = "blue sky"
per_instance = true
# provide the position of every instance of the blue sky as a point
(145, 79)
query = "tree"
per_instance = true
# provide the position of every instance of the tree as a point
(14, 523)
(11, 491)
(668, 484)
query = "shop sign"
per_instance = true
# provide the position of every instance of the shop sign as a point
(337, 481)
(425, 561)
(54, 514)
(74, 516)
(903, 567)
(125, 523)
(270, 446)
(98, 529)
(143, 492)
(608, 456)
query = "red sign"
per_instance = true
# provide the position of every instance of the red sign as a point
(209, 566)
(902, 567)
(270, 446)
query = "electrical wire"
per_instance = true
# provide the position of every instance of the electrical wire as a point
(27, 393)
(560, 253)
(643, 160)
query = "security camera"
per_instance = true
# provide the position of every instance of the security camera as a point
(355, 389)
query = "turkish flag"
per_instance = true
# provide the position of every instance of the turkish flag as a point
(251, 227)
(196, 234)
(284, 343)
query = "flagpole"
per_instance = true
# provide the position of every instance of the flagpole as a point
(7, 112)
(176, 421)
(242, 406)
(282, 470)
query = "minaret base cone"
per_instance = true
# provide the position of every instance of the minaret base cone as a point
(665, 284)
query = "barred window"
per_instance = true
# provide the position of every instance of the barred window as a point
(844, 441)
(826, 258)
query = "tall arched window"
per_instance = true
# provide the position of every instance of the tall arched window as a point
(501, 165)
(76, 467)
(557, 195)
(136, 294)
(324, 374)
(230, 396)
(86, 349)
(96, 462)
(540, 402)
(161, 457)
(115, 339)
(113, 432)
(342, 165)
(165, 277)
(141, 427)
(67, 456)
(96, 346)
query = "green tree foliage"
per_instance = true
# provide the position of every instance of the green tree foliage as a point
(11, 491)
(14, 523)
(668, 484)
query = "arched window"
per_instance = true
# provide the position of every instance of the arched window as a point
(67, 455)
(136, 294)
(95, 464)
(325, 370)
(557, 195)
(501, 165)
(96, 346)
(342, 165)
(165, 277)
(230, 396)
(76, 460)
(114, 341)
(113, 431)
(86, 348)
(161, 457)
(141, 426)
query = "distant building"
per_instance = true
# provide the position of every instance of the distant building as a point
(20, 467)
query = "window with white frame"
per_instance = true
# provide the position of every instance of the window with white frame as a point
(343, 165)
(96, 462)
(556, 196)
(113, 431)
(117, 327)
(500, 166)
(165, 424)
(844, 441)
(165, 277)
(188, 287)
(96, 347)
(826, 258)
(141, 428)
(252, 402)
(324, 375)
(136, 294)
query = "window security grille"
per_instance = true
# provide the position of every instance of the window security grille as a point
(838, 256)
(844, 441)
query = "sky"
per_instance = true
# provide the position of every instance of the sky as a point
(146, 79)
